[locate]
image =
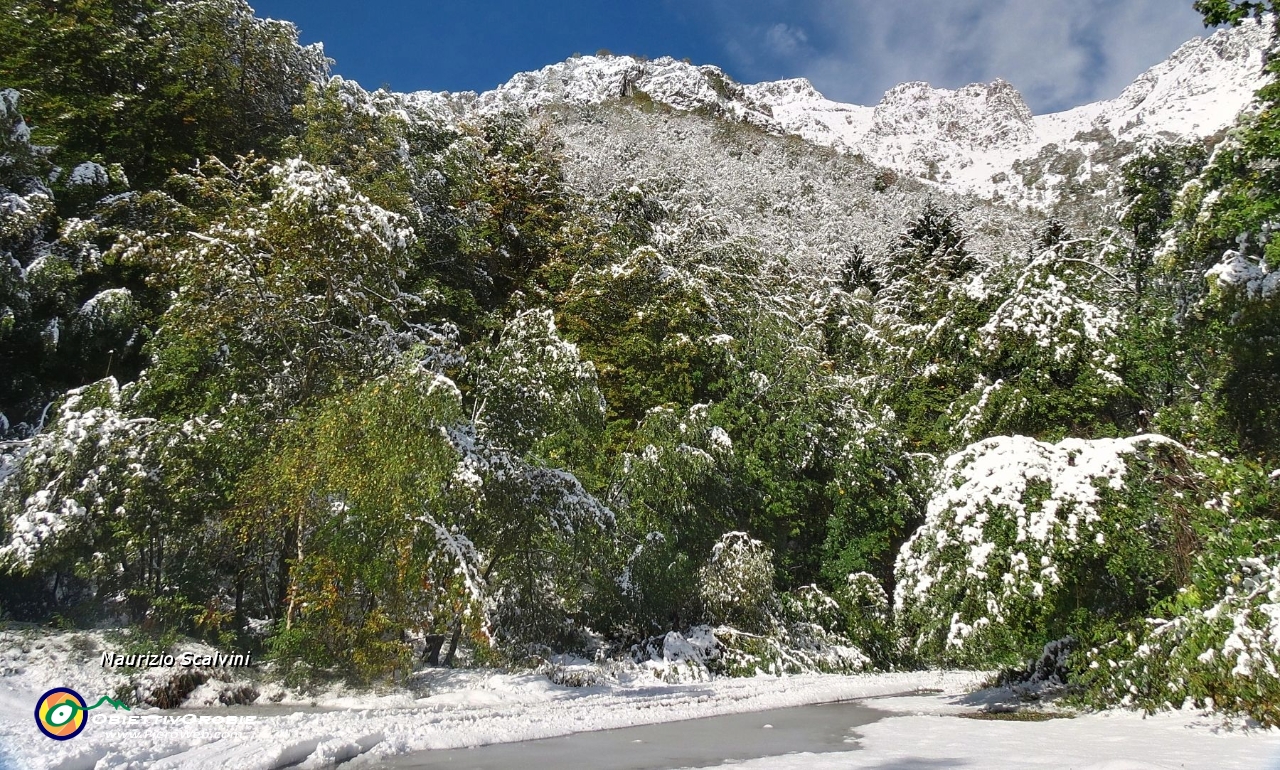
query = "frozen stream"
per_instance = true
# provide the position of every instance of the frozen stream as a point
(705, 742)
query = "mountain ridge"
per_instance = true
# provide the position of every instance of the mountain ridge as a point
(980, 139)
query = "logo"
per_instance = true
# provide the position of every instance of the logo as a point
(62, 714)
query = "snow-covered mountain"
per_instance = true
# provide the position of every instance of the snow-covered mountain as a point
(981, 139)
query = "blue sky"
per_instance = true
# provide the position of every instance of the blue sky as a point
(1059, 53)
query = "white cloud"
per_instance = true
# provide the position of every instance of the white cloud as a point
(1059, 53)
(785, 40)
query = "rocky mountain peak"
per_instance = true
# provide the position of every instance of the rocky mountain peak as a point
(977, 115)
(981, 138)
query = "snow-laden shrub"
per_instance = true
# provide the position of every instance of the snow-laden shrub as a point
(1225, 655)
(704, 652)
(754, 630)
(1216, 643)
(674, 497)
(533, 385)
(1025, 540)
(535, 618)
(855, 616)
(657, 585)
(839, 632)
(811, 606)
(24, 217)
(108, 309)
(864, 598)
(680, 657)
(1049, 674)
(1251, 279)
(113, 499)
(801, 649)
(867, 617)
(88, 173)
(736, 583)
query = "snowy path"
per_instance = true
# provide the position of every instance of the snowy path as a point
(1110, 741)
(705, 742)
(482, 709)
(487, 709)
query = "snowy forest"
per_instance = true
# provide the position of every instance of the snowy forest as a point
(364, 382)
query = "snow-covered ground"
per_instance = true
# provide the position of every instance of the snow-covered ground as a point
(451, 709)
(460, 709)
(1110, 741)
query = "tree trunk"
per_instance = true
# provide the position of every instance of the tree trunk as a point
(457, 623)
(293, 595)
(454, 638)
(238, 618)
(431, 653)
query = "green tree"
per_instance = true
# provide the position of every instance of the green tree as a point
(1150, 184)
(109, 506)
(355, 513)
(361, 136)
(294, 287)
(676, 493)
(648, 328)
(153, 84)
(1047, 354)
(509, 209)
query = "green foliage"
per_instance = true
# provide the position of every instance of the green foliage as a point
(282, 295)
(362, 137)
(796, 428)
(868, 619)
(648, 328)
(932, 251)
(357, 509)
(1214, 642)
(736, 583)
(1232, 11)
(1221, 264)
(113, 499)
(932, 308)
(1150, 184)
(154, 85)
(536, 410)
(877, 500)
(857, 272)
(508, 208)
(1046, 354)
(534, 393)
(676, 495)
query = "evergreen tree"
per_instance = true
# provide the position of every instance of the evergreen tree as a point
(857, 272)
(1149, 185)
(153, 84)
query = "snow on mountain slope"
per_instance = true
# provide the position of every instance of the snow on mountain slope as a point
(980, 139)
(812, 204)
(984, 139)
(590, 80)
